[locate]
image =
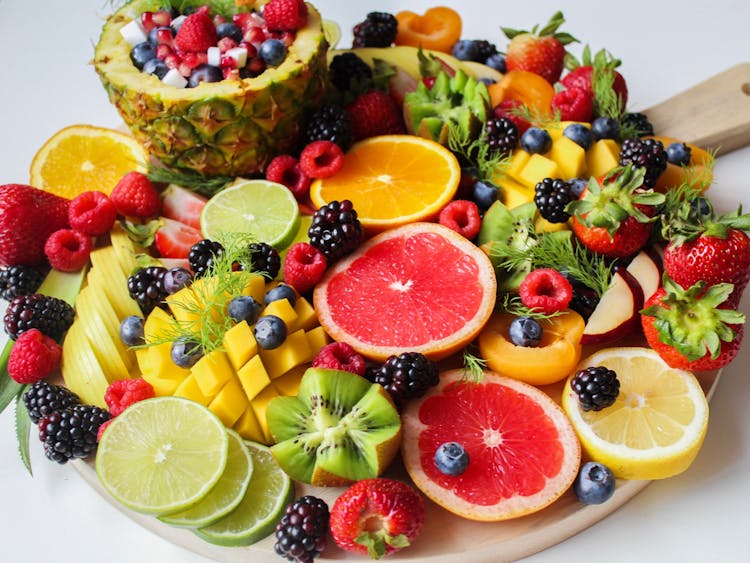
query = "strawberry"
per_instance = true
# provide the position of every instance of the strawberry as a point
(285, 15)
(614, 216)
(597, 76)
(135, 196)
(511, 109)
(182, 205)
(377, 517)
(695, 329)
(574, 104)
(174, 239)
(197, 33)
(375, 113)
(540, 50)
(27, 217)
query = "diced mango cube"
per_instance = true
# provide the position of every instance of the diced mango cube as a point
(157, 325)
(570, 158)
(155, 362)
(602, 156)
(162, 387)
(512, 193)
(306, 317)
(212, 372)
(283, 309)
(260, 405)
(556, 129)
(253, 377)
(255, 287)
(240, 344)
(288, 383)
(248, 426)
(229, 403)
(537, 169)
(189, 389)
(294, 351)
(184, 305)
(316, 339)
(518, 161)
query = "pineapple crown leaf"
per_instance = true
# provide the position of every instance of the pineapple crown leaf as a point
(548, 30)
(205, 185)
(690, 321)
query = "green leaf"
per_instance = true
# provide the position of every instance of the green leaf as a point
(9, 389)
(23, 429)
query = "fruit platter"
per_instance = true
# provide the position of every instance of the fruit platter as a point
(305, 281)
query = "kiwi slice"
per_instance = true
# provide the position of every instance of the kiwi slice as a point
(340, 428)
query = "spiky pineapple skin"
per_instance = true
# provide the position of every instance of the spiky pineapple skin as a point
(233, 127)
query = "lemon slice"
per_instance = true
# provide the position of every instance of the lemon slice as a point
(656, 426)
(263, 210)
(162, 455)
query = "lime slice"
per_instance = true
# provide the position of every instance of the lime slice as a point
(255, 517)
(226, 494)
(162, 455)
(332, 31)
(266, 211)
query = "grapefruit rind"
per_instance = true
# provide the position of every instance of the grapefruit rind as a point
(513, 506)
(402, 320)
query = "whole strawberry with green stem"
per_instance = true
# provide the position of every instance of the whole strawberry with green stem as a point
(695, 329)
(540, 50)
(615, 215)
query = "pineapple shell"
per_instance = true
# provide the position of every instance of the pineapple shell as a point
(232, 127)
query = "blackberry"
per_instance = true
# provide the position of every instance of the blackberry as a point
(335, 230)
(501, 134)
(72, 432)
(406, 376)
(19, 280)
(52, 316)
(301, 532)
(485, 50)
(347, 71)
(377, 30)
(146, 287)
(330, 123)
(42, 399)
(597, 387)
(265, 259)
(584, 301)
(644, 153)
(202, 255)
(638, 123)
(551, 196)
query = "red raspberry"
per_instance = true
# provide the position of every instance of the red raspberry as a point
(68, 250)
(375, 113)
(545, 290)
(285, 15)
(462, 216)
(92, 213)
(135, 196)
(197, 33)
(340, 355)
(304, 265)
(321, 159)
(102, 428)
(34, 356)
(285, 169)
(574, 104)
(124, 392)
(509, 109)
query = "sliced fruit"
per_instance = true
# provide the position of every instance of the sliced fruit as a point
(339, 428)
(529, 88)
(80, 158)
(646, 270)
(267, 495)
(617, 313)
(174, 239)
(421, 287)
(656, 426)
(266, 211)
(523, 451)
(385, 179)
(143, 454)
(183, 205)
(438, 28)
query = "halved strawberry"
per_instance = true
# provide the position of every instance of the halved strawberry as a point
(182, 205)
(174, 239)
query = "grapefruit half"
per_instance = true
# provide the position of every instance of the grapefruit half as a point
(523, 450)
(417, 288)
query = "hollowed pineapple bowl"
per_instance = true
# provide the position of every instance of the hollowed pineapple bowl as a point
(232, 127)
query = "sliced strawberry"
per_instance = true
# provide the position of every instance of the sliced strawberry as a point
(174, 239)
(182, 205)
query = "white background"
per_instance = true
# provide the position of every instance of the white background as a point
(47, 83)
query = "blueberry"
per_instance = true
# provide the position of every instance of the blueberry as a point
(487, 80)
(157, 67)
(131, 331)
(451, 458)
(270, 332)
(536, 140)
(525, 331)
(496, 61)
(465, 50)
(579, 134)
(701, 206)
(484, 193)
(142, 53)
(244, 308)
(281, 291)
(175, 279)
(272, 51)
(153, 35)
(577, 185)
(678, 153)
(229, 29)
(605, 128)
(205, 73)
(185, 353)
(595, 483)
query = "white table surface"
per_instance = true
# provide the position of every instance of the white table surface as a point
(666, 47)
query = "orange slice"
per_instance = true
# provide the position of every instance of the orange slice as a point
(392, 180)
(81, 158)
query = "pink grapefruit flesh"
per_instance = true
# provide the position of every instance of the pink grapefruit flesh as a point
(421, 287)
(523, 451)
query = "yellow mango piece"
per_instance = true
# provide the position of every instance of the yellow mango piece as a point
(156, 362)
(306, 317)
(212, 372)
(184, 305)
(537, 169)
(288, 383)
(518, 161)
(260, 405)
(249, 428)
(570, 158)
(229, 403)
(541, 225)
(284, 310)
(253, 377)
(556, 129)
(189, 389)
(158, 326)
(255, 287)
(240, 344)
(512, 193)
(162, 387)
(316, 339)
(294, 351)
(603, 156)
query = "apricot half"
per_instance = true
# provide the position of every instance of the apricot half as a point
(437, 29)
